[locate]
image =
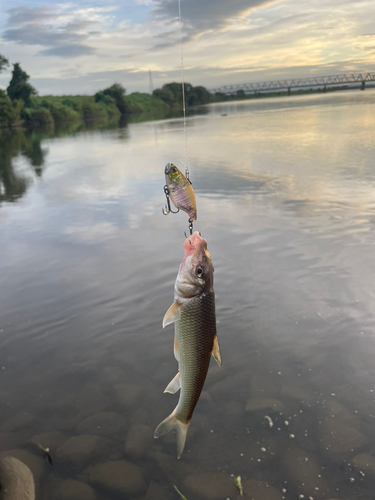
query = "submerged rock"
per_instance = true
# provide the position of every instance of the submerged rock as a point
(33, 462)
(20, 421)
(139, 440)
(157, 492)
(304, 473)
(102, 424)
(211, 486)
(51, 440)
(339, 439)
(71, 489)
(128, 394)
(120, 476)
(84, 449)
(257, 490)
(16, 480)
(265, 404)
(9, 440)
(365, 463)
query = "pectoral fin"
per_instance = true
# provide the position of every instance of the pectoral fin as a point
(174, 385)
(173, 314)
(216, 351)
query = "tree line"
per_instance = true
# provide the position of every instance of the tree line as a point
(20, 103)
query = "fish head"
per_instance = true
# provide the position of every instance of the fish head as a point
(172, 174)
(195, 276)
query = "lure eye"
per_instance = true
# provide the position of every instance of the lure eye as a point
(200, 271)
(173, 170)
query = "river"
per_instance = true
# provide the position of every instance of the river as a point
(285, 191)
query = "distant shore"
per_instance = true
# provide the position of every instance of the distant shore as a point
(50, 110)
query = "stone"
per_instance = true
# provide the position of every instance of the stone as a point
(72, 489)
(139, 440)
(34, 463)
(157, 492)
(271, 404)
(257, 490)
(113, 374)
(103, 424)
(119, 476)
(51, 440)
(127, 394)
(304, 473)
(296, 392)
(211, 486)
(339, 439)
(364, 463)
(19, 421)
(9, 440)
(84, 449)
(16, 480)
(337, 411)
(264, 385)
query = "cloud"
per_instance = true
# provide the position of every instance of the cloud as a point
(25, 15)
(68, 51)
(64, 32)
(201, 17)
(225, 42)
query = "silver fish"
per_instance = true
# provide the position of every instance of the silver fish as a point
(195, 338)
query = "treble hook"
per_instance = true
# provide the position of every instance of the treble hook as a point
(191, 226)
(167, 208)
(190, 229)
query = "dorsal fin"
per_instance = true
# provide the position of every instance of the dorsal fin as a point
(216, 351)
(173, 314)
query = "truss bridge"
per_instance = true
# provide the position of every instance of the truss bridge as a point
(315, 81)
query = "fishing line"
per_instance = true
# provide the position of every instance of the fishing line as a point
(183, 91)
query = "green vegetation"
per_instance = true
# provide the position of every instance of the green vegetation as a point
(171, 94)
(20, 104)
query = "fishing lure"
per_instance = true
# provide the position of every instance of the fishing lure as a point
(178, 188)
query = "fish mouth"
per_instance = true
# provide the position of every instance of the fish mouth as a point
(194, 242)
(167, 167)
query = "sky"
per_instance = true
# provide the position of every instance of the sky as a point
(86, 46)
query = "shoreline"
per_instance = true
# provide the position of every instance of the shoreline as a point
(155, 109)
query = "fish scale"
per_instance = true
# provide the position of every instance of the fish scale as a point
(197, 316)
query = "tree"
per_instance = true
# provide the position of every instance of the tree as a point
(165, 95)
(18, 87)
(176, 89)
(117, 92)
(198, 95)
(3, 62)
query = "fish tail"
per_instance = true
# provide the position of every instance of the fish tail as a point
(171, 423)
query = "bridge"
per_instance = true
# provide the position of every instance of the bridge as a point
(315, 81)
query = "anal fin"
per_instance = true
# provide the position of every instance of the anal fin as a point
(174, 385)
(216, 351)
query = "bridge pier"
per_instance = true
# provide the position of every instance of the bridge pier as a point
(325, 88)
(288, 90)
(363, 84)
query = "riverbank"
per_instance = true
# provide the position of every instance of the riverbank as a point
(47, 111)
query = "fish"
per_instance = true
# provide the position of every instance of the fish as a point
(180, 191)
(195, 336)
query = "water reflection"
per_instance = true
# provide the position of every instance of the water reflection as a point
(285, 199)
(14, 183)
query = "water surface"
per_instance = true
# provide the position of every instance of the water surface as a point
(285, 191)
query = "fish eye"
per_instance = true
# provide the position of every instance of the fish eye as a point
(200, 271)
